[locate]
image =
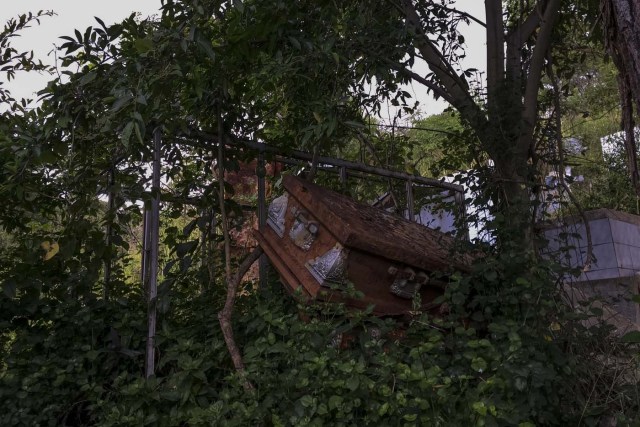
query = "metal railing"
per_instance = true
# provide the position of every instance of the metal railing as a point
(343, 168)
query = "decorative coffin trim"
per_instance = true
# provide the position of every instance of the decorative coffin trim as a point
(303, 231)
(276, 213)
(407, 283)
(330, 268)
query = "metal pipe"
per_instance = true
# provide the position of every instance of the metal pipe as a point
(410, 207)
(262, 217)
(154, 237)
(343, 176)
(351, 166)
(109, 232)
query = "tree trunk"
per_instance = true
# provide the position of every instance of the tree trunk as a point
(621, 20)
(622, 26)
(505, 130)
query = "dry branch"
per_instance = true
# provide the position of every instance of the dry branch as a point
(224, 316)
(223, 211)
(563, 182)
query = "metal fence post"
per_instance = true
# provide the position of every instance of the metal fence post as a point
(410, 215)
(261, 172)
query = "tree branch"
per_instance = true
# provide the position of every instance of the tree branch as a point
(461, 13)
(628, 126)
(223, 211)
(563, 183)
(224, 316)
(495, 51)
(515, 40)
(457, 93)
(417, 77)
(233, 282)
(536, 66)
(526, 29)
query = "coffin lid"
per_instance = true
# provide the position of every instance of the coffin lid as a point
(373, 230)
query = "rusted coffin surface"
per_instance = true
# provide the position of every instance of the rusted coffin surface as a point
(320, 240)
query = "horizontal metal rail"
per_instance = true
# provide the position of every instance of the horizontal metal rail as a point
(340, 163)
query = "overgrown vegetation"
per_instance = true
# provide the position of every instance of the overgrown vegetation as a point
(74, 177)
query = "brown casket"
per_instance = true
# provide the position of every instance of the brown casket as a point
(319, 241)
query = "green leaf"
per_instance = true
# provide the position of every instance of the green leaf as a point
(383, 409)
(121, 102)
(480, 408)
(354, 124)
(88, 78)
(353, 383)
(143, 45)
(136, 128)
(101, 22)
(306, 401)
(520, 383)
(9, 288)
(478, 364)
(186, 231)
(322, 409)
(491, 275)
(335, 402)
(126, 133)
(631, 337)
(410, 417)
(206, 46)
(184, 248)
(47, 157)
(295, 42)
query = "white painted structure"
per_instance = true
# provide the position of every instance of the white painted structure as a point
(615, 239)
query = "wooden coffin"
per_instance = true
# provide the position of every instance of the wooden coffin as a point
(319, 241)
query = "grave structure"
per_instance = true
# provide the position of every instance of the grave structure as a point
(613, 275)
(320, 242)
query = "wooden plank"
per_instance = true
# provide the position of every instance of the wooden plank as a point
(375, 231)
(288, 278)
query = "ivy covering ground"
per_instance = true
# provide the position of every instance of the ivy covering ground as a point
(80, 363)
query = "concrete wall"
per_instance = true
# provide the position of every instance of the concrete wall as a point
(613, 279)
(615, 238)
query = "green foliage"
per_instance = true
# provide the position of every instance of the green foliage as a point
(607, 183)
(436, 150)
(500, 363)
(12, 61)
(61, 357)
(296, 75)
(592, 116)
